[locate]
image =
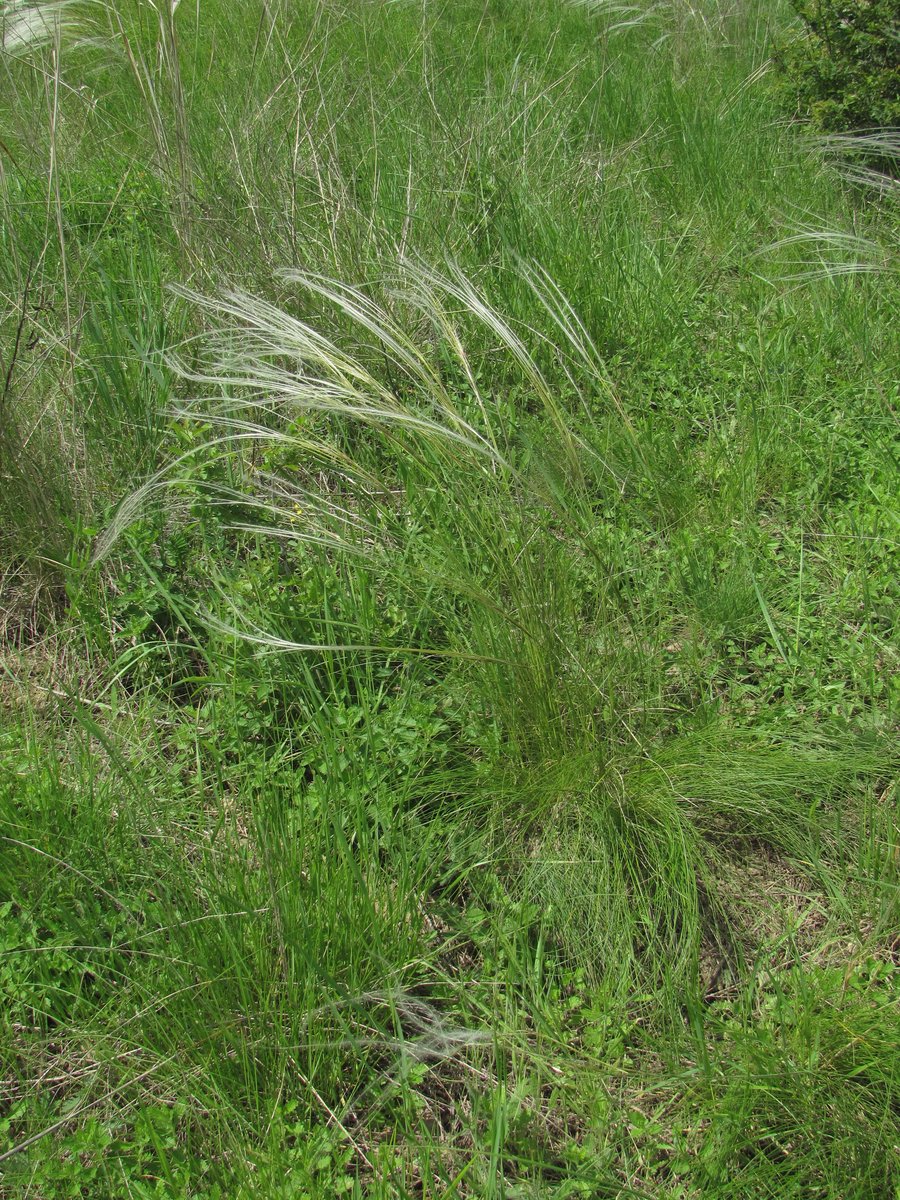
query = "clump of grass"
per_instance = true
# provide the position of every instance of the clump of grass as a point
(393, 464)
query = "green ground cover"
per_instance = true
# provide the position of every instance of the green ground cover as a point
(448, 648)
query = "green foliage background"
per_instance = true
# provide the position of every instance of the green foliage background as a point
(448, 634)
(845, 68)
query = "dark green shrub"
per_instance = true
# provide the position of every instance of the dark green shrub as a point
(845, 68)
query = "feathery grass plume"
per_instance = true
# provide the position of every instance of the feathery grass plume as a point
(27, 26)
(884, 143)
(621, 16)
(396, 460)
(850, 154)
(828, 254)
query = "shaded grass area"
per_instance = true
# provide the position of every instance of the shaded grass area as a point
(448, 684)
(267, 993)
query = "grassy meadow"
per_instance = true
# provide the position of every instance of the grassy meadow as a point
(448, 608)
